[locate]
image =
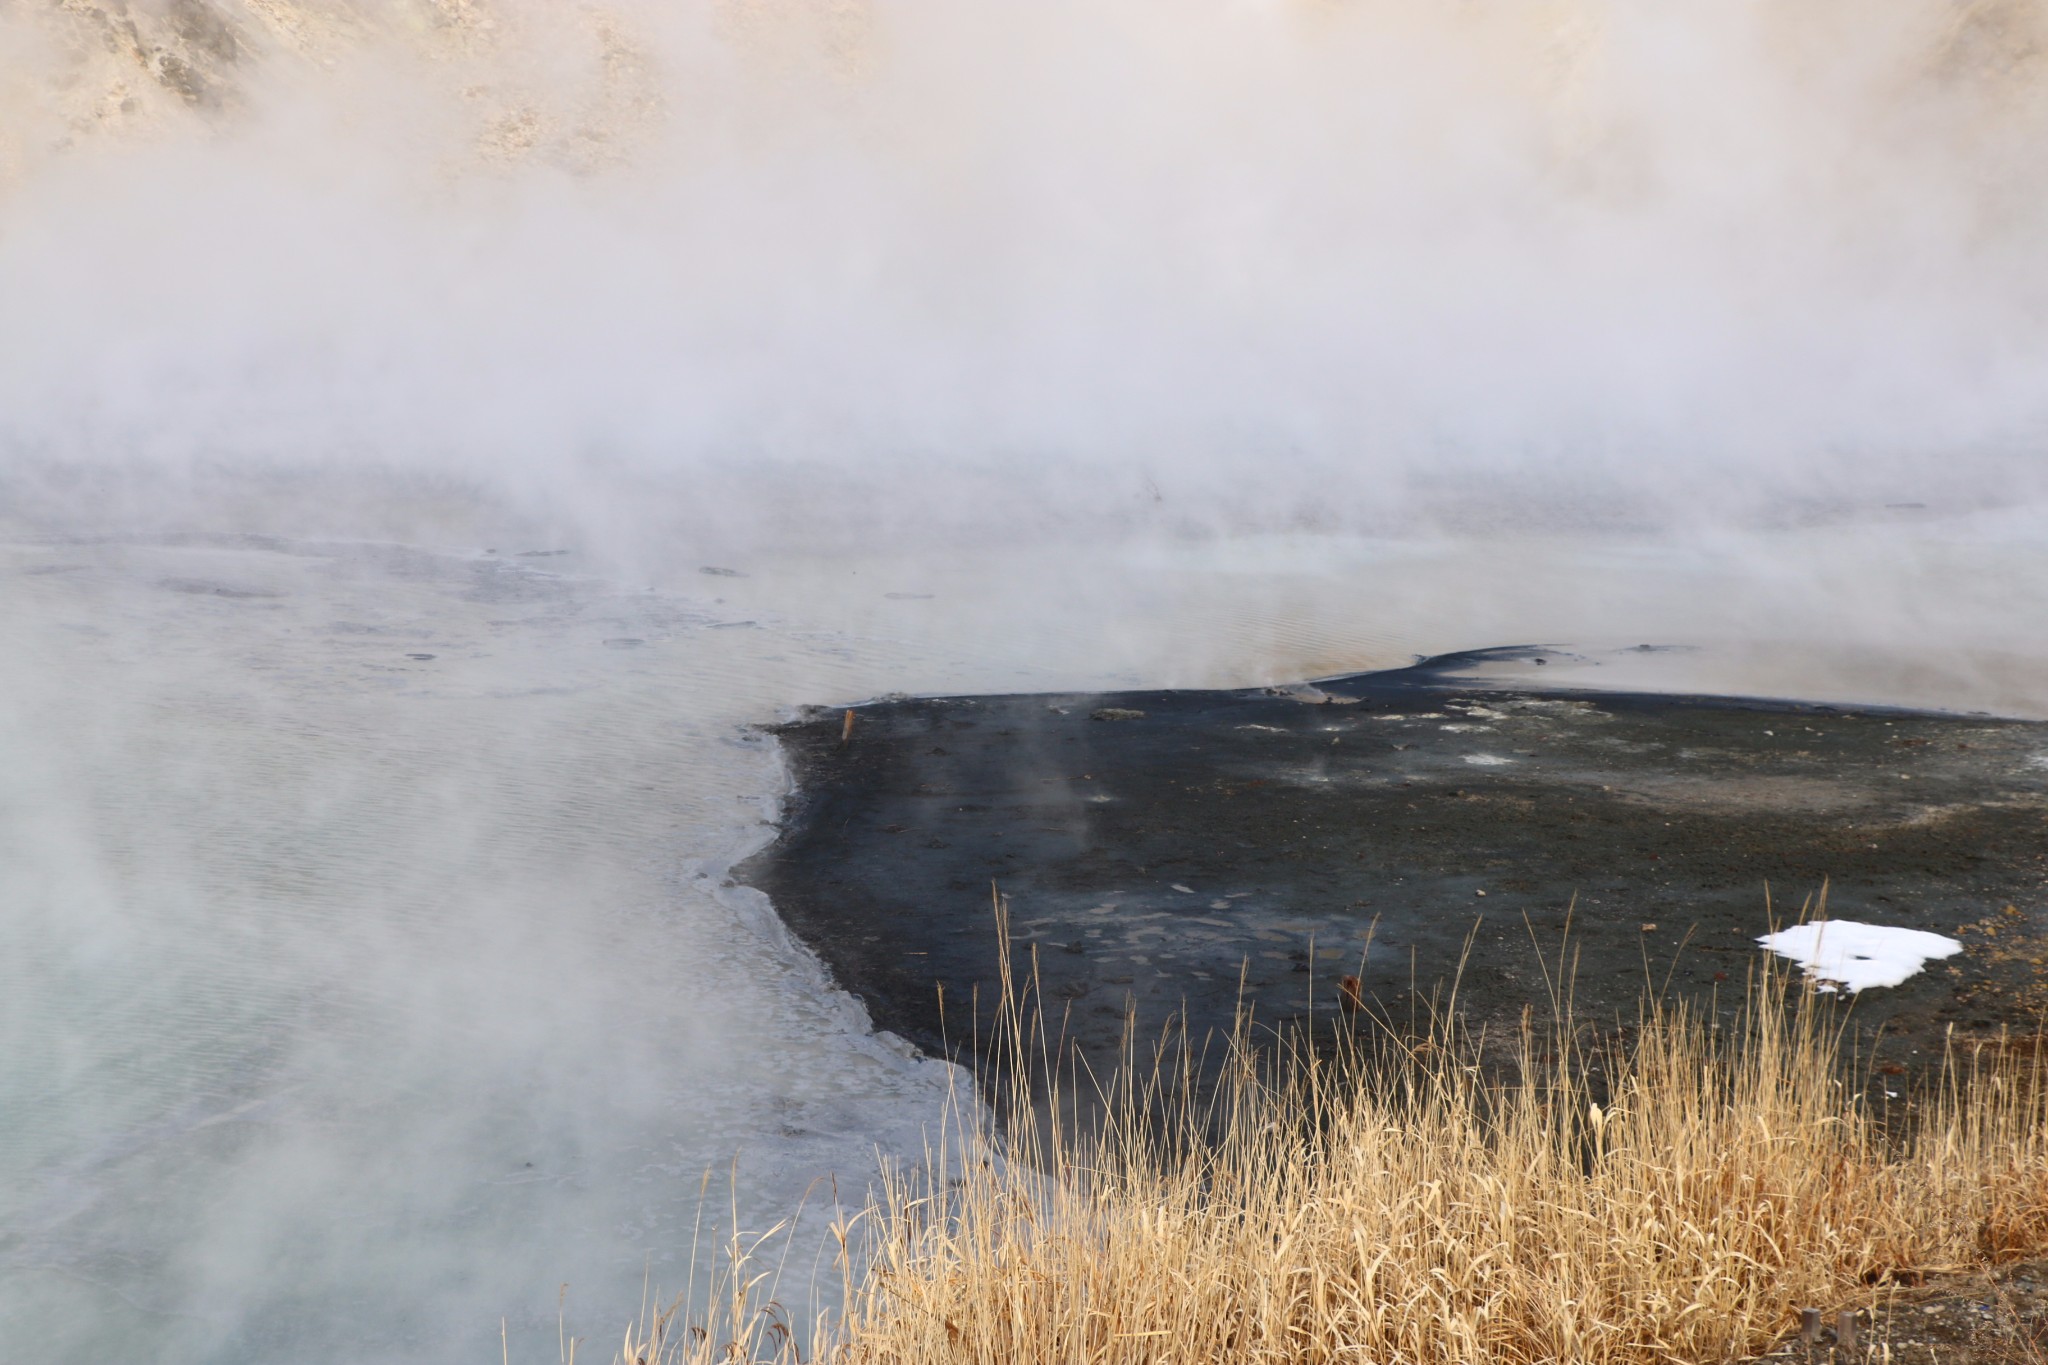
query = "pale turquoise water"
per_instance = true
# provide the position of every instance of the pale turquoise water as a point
(353, 1001)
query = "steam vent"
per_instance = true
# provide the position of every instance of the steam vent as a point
(1180, 851)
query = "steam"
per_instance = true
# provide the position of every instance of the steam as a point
(798, 270)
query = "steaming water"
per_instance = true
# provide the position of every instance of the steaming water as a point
(355, 1000)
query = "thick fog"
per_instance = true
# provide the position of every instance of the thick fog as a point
(377, 382)
(811, 267)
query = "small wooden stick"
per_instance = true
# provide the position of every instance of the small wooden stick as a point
(846, 730)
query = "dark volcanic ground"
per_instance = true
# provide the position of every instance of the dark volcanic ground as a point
(1158, 846)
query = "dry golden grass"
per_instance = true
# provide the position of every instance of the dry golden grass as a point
(1412, 1206)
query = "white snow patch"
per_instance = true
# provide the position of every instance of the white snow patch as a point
(1845, 953)
(1488, 760)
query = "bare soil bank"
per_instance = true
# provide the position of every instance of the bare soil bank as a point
(1170, 849)
(1992, 1316)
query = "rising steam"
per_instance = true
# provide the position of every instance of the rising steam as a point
(818, 267)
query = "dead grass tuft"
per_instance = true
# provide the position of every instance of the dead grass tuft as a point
(1675, 1201)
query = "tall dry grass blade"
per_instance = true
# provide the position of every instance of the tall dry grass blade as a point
(1669, 1194)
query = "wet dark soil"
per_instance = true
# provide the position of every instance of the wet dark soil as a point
(1178, 853)
(1990, 1316)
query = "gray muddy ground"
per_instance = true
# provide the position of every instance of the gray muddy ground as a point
(1172, 850)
